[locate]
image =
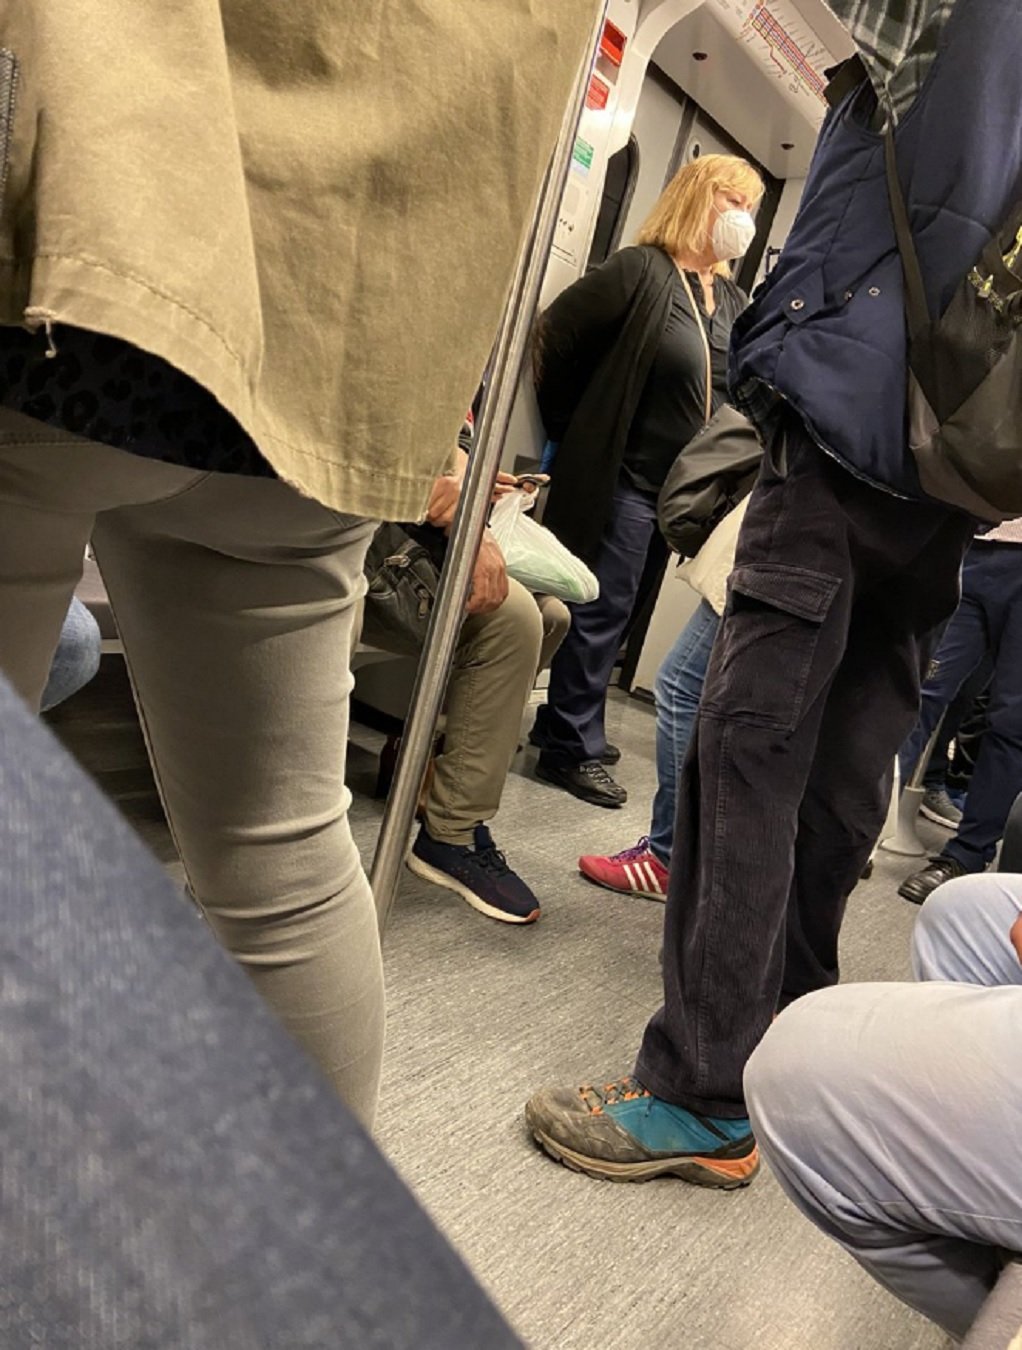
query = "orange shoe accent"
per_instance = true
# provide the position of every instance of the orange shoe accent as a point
(737, 1169)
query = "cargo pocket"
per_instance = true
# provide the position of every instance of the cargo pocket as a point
(764, 656)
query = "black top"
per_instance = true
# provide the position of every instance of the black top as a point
(109, 391)
(597, 344)
(673, 401)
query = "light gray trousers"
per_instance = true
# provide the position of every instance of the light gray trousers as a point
(892, 1113)
(235, 599)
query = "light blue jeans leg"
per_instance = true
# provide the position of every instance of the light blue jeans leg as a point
(679, 687)
(76, 659)
(891, 1113)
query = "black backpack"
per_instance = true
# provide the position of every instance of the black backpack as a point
(965, 371)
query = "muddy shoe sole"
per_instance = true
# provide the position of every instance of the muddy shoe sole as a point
(720, 1174)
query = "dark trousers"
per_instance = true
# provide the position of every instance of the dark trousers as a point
(812, 687)
(988, 621)
(965, 714)
(571, 725)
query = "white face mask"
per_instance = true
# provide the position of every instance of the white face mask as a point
(733, 232)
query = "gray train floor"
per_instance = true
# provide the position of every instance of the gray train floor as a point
(481, 1013)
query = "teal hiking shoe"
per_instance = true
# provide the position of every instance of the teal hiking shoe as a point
(621, 1132)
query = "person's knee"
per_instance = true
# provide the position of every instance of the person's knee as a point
(663, 688)
(959, 921)
(806, 1071)
(555, 618)
(514, 632)
(784, 1069)
(938, 925)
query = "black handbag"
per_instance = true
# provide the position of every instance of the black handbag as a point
(403, 581)
(714, 472)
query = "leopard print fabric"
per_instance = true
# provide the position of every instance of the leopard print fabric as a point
(109, 391)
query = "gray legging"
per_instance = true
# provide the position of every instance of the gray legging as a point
(176, 1172)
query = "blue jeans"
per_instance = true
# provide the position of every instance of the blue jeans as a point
(988, 621)
(679, 687)
(76, 659)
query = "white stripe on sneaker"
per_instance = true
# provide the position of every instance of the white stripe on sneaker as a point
(631, 879)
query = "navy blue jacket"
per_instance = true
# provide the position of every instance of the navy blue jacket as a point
(827, 330)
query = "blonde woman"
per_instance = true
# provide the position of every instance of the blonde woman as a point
(622, 387)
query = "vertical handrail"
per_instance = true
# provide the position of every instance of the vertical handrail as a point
(923, 762)
(473, 507)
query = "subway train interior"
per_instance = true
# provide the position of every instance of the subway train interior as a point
(482, 1013)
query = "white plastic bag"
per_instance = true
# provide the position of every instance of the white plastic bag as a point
(537, 558)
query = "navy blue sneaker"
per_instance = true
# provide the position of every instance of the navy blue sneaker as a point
(479, 874)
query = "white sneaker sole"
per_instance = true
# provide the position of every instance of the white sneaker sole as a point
(438, 878)
(938, 819)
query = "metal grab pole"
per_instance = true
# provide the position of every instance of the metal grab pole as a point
(470, 520)
(923, 762)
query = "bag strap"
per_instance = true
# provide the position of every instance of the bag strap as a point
(708, 412)
(916, 306)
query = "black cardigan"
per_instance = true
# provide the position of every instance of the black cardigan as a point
(596, 345)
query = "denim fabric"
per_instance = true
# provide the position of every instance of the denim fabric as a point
(812, 686)
(177, 1175)
(890, 1113)
(571, 724)
(679, 687)
(76, 659)
(988, 621)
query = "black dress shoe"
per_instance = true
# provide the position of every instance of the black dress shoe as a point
(588, 781)
(611, 753)
(919, 886)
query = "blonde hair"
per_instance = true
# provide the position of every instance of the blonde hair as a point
(679, 222)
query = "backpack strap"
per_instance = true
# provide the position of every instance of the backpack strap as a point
(916, 307)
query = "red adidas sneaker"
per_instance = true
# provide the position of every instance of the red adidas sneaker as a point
(635, 871)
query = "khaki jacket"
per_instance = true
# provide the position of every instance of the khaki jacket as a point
(311, 207)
